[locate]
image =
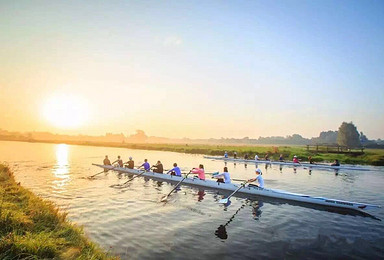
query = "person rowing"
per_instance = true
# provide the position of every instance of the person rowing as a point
(145, 165)
(199, 171)
(175, 171)
(106, 161)
(295, 160)
(257, 157)
(258, 178)
(119, 161)
(234, 155)
(225, 154)
(336, 163)
(130, 164)
(310, 160)
(223, 177)
(281, 158)
(246, 156)
(266, 158)
(158, 167)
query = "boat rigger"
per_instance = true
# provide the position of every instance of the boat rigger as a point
(247, 190)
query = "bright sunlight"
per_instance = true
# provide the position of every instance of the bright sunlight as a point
(65, 111)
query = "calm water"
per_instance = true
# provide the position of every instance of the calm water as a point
(133, 224)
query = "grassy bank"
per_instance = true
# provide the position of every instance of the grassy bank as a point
(33, 228)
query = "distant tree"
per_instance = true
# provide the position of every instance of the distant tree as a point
(363, 138)
(348, 135)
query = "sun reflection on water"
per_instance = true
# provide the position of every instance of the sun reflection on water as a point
(61, 168)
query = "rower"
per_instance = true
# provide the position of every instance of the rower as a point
(106, 161)
(234, 155)
(119, 161)
(295, 159)
(310, 160)
(175, 170)
(225, 154)
(258, 178)
(246, 156)
(223, 177)
(256, 157)
(281, 158)
(266, 157)
(158, 167)
(199, 171)
(130, 164)
(145, 165)
(336, 163)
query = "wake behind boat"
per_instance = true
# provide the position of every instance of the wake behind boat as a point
(247, 190)
(320, 166)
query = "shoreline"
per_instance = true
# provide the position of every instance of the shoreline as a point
(373, 157)
(32, 227)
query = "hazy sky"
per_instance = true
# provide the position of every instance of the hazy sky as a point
(193, 68)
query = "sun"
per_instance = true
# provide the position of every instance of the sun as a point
(65, 111)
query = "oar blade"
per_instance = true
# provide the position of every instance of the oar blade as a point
(223, 201)
(164, 198)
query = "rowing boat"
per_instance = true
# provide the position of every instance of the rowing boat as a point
(321, 166)
(248, 190)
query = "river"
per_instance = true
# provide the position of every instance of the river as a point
(132, 223)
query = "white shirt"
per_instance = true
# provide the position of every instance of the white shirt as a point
(260, 179)
(227, 178)
(256, 157)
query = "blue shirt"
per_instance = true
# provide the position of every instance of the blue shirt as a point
(176, 170)
(146, 166)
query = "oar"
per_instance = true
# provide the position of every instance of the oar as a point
(177, 185)
(90, 177)
(120, 185)
(224, 201)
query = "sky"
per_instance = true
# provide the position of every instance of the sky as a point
(196, 69)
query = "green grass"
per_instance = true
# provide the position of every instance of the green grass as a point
(33, 228)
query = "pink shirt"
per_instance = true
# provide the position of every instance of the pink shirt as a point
(200, 172)
(295, 160)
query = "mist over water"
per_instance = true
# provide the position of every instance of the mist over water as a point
(132, 223)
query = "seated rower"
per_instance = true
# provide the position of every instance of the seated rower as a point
(336, 163)
(266, 157)
(259, 178)
(256, 157)
(295, 159)
(145, 165)
(175, 170)
(199, 171)
(281, 158)
(234, 155)
(130, 164)
(106, 161)
(246, 156)
(119, 161)
(158, 167)
(225, 154)
(223, 177)
(310, 160)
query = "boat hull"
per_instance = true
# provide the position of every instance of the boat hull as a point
(248, 190)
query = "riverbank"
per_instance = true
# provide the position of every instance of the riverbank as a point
(373, 157)
(33, 228)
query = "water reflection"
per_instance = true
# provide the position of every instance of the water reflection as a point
(61, 168)
(221, 231)
(200, 195)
